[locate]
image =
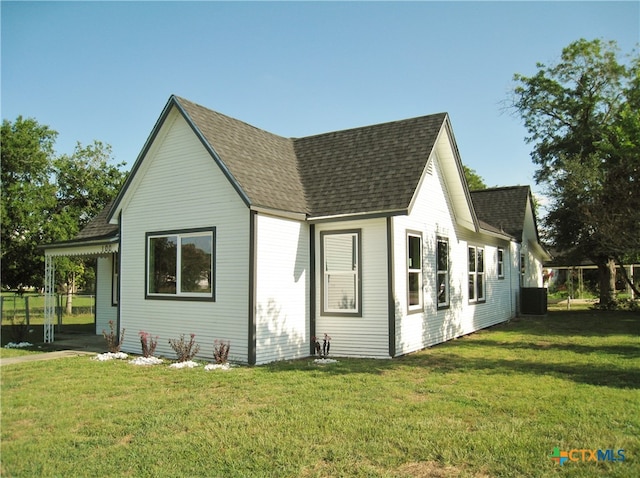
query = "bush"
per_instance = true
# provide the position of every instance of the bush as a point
(221, 351)
(185, 350)
(148, 343)
(113, 341)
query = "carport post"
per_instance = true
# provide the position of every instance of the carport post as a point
(49, 297)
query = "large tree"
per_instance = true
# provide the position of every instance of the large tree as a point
(582, 117)
(474, 180)
(48, 198)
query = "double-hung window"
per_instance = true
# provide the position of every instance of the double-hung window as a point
(341, 281)
(442, 261)
(414, 271)
(500, 263)
(476, 274)
(180, 264)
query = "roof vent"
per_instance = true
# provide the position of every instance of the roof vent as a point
(430, 167)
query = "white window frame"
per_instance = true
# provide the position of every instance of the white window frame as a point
(414, 269)
(180, 235)
(500, 262)
(355, 272)
(446, 272)
(476, 275)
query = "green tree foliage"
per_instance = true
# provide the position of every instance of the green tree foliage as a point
(474, 180)
(28, 198)
(48, 198)
(582, 117)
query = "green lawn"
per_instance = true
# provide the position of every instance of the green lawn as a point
(495, 403)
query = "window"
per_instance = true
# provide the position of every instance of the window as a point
(414, 271)
(500, 263)
(341, 285)
(181, 264)
(442, 260)
(476, 274)
(522, 268)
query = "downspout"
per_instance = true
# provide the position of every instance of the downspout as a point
(312, 287)
(251, 348)
(118, 292)
(391, 290)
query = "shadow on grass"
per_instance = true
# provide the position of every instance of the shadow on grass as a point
(621, 351)
(601, 375)
(444, 363)
(584, 323)
(444, 358)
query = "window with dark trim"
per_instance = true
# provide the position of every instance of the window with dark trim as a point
(180, 264)
(442, 262)
(341, 273)
(522, 268)
(500, 258)
(414, 271)
(476, 274)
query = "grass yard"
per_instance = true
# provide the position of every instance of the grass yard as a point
(495, 403)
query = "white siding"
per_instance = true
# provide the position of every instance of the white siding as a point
(433, 216)
(105, 309)
(365, 336)
(533, 262)
(179, 186)
(282, 289)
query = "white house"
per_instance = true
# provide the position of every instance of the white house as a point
(369, 234)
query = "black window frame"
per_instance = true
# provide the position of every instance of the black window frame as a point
(180, 296)
(357, 258)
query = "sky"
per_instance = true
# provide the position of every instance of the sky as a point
(105, 70)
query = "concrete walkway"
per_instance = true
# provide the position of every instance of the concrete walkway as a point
(43, 356)
(64, 345)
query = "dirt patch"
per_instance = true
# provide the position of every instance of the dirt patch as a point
(433, 469)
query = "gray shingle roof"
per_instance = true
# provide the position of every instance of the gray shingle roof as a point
(503, 208)
(369, 169)
(372, 169)
(98, 227)
(263, 164)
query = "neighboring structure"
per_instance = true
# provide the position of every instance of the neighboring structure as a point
(369, 234)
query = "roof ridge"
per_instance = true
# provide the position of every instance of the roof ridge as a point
(232, 118)
(365, 127)
(499, 188)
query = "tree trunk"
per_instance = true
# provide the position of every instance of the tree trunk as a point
(607, 273)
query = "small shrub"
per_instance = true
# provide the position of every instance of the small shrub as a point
(185, 350)
(323, 351)
(221, 351)
(148, 343)
(113, 341)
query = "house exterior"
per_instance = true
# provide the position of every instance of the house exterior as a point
(370, 235)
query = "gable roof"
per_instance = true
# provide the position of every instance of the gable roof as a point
(364, 170)
(263, 165)
(503, 208)
(372, 169)
(99, 227)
